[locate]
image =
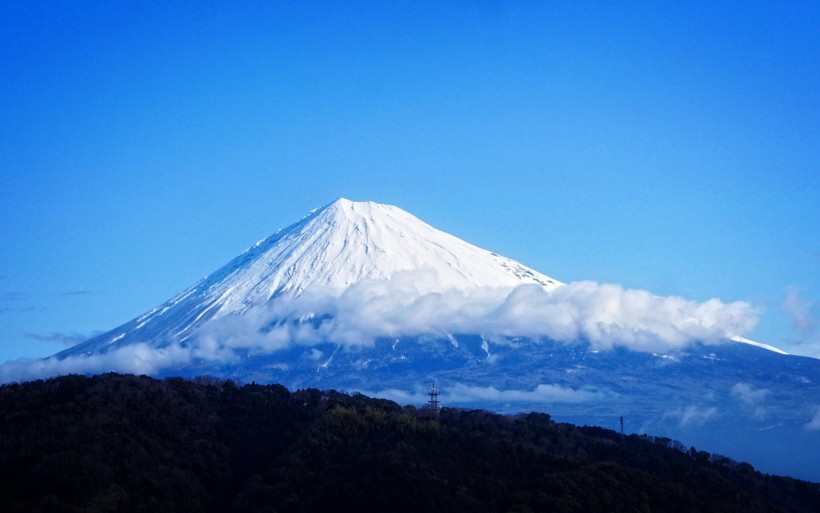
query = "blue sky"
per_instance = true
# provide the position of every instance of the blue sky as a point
(670, 147)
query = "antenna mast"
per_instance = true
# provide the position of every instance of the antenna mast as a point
(433, 404)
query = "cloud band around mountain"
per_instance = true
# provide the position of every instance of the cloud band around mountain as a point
(604, 315)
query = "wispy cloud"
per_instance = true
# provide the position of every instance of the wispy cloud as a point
(16, 309)
(800, 310)
(76, 292)
(461, 394)
(399, 396)
(692, 415)
(803, 312)
(63, 339)
(750, 395)
(814, 423)
(544, 393)
(12, 302)
(13, 296)
(136, 358)
(753, 398)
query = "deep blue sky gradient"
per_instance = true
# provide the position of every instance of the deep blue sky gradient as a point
(673, 147)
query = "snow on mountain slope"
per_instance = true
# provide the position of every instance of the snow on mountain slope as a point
(355, 272)
(761, 345)
(346, 242)
(341, 244)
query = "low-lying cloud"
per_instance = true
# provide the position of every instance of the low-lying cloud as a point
(803, 312)
(800, 310)
(814, 423)
(752, 398)
(604, 315)
(134, 359)
(459, 394)
(749, 395)
(692, 415)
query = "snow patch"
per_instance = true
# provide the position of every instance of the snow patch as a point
(743, 340)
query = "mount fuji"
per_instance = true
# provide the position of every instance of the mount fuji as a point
(362, 296)
(332, 248)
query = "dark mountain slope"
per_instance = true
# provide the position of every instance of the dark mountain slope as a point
(125, 443)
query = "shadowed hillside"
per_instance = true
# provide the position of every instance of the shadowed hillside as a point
(126, 443)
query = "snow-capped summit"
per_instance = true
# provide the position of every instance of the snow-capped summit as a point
(330, 249)
(345, 242)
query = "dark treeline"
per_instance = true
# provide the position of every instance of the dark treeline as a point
(134, 444)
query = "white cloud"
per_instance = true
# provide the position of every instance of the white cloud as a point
(697, 415)
(803, 314)
(134, 358)
(692, 415)
(545, 393)
(749, 395)
(399, 396)
(814, 423)
(605, 315)
(752, 398)
(800, 310)
(460, 394)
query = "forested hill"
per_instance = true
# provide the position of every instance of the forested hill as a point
(126, 443)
